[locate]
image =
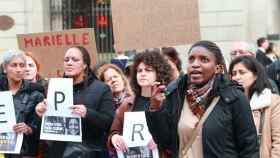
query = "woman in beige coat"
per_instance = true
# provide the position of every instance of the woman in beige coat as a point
(265, 105)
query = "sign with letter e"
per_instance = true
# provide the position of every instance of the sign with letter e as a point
(10, 142)
(7, 112)
(59, 123)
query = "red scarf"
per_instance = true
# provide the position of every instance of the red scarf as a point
(197, 98)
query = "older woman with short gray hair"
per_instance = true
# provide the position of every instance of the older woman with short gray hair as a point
(25, 96)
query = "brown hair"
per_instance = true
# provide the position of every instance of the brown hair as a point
(154, 59)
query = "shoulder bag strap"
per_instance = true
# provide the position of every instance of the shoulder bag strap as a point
(262, 118)
(199, 126)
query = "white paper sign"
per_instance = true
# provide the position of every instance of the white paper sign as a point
(59, 123)
(10, 142)
(137, 136)
(60, 96)
(7, 112)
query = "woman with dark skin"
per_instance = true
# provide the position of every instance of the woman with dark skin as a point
(227, 132)
(92, 102)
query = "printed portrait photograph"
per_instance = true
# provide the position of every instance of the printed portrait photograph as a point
(72, 126)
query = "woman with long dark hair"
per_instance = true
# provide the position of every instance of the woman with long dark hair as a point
(92, 101)
(265, 105)
(148, 68)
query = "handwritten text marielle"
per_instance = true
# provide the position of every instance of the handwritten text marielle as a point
(54, 40)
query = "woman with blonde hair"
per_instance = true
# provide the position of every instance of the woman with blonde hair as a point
(115, 78)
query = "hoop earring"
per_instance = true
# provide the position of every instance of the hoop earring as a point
(219, 69)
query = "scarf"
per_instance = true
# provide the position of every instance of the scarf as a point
(262, 100)
(199, 97)
(119, 99)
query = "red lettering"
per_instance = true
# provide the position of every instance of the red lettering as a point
(85, 38)
(53, 39)
(59, 39)
(75, 42)
(28, 42)
(38, 42)
(67, 40)
(46, 40)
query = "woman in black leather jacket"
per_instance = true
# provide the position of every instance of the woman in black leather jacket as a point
(228, 131)
(92, 101)
(26, 96)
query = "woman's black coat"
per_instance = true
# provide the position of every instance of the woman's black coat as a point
(25, 100)
(97, 98)
(228, 132)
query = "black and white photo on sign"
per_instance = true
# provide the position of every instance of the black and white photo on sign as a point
(72, 126)
(54, 125)
(137, 137)
(10, 142)
(59, 123)
(138, 152)
(62, 125)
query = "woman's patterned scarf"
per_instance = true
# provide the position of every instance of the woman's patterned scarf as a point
(199, 97)
(119, 99)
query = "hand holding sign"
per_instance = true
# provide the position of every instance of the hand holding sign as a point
(22, 128)
(152, 145)
(119, 143)
(61, 119)
(41, 108)
(136, 136)
(79, 110)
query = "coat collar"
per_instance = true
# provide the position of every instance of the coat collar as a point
(262, 100)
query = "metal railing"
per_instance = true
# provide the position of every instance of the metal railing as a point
(68, 14)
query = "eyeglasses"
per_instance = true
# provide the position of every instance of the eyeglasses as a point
(241, 53)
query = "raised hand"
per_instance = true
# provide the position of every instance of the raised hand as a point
(157, 97)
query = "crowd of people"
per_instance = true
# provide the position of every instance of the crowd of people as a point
(213, 110)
